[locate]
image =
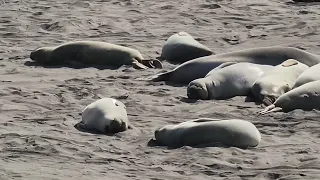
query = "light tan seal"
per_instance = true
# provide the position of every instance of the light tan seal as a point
(233, 132)
(182, 47)
(305, 97)
(198, 68)
(226, 81)
(311, 74)
(106, 115)
(277, 81)
(92, 53)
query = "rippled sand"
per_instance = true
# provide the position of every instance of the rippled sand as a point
(39, 106)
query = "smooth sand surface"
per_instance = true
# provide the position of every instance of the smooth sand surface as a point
(39, 106)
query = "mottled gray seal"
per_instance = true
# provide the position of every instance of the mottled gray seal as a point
(305, 97)
(233, 132)
(106, 115)
(227, 81)
(92, 53)
(277, 81)
(198, 68)
(311, 74)
(182, 47)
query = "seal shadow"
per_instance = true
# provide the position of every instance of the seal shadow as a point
(71, 65)
(153, 143)
(188, 100)
(79, 128)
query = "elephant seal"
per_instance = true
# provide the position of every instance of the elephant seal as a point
(311, 74)
(106, 115)
(277, 81)
(226, 81)
(233, 132)
(92, 53)
(182, 47)
(305, 97)
(198, 68)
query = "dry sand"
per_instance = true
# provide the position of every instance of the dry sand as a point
(39, 106)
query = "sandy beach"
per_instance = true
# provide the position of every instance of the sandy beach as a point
(39, 106)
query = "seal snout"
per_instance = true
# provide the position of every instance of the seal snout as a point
(32, 55)
(116, 126)
(197, 91)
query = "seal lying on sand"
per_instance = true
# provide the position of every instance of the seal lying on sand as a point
(106, 115)
(305, 97)
(92, 53)
(277, 81)
(182, 47)
(233, 132)
(311, 74)
(226, 81)
(198, 68)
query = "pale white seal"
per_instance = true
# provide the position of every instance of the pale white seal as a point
(92, 53)
(182, 47)
(311, 74)
(106, 115)
(233, 132)
(305, 97)
(277, 81)
(198, 68)
(227, 81)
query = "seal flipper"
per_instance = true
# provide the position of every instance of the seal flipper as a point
(270, 109)
(138, 65)
(152, 63)
(161, 77)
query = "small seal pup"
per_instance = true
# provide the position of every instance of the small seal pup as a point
(92, 53)
(226, 81)
(106, 115)
(233, 132)
(305, 97)
(277, 81)
(182, 47)
(198, 68)
(311, 74)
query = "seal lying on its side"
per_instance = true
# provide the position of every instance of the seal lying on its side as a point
(233, 132)
(277, 81)
(106, 115)
(305, 97)
(226, 81)
(182, 47)
(198, 68)
(311, 74)
(92, 53)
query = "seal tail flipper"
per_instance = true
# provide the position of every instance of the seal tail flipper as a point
(152, 63)
(270, 109)
(138, 65)
(161, 77)
(156, 78)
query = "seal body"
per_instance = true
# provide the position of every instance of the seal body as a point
(198, 68)
(277, 81)
(311, 74)
(91, 53)
(106, 115)
(305, 97)
(182, 47)
(227, 82)
(233, 132)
